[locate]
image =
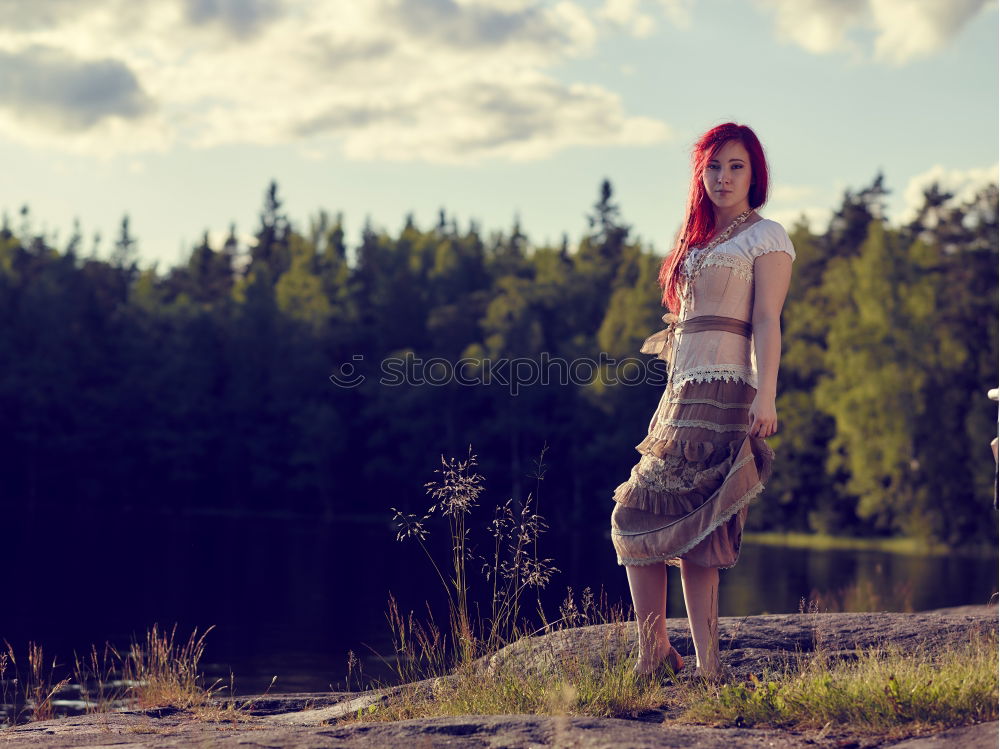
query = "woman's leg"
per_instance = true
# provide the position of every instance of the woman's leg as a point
(648, 584)
(701, 597)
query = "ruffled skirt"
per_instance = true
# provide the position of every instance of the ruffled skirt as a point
(689, 494)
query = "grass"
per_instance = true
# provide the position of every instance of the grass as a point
(889, 690)
(599, 684)
(156, 673)
(885, 690)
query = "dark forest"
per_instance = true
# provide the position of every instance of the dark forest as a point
(208, 386)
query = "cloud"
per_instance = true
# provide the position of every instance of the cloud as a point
(519, 119)
(900, 30)
(790, 204)
(42, 14)
(335, 53)
(818, 26)
(795, 200)
(236, 17)
(908, 29)
(475, 26)
(449, 81)
(632, 17)
(47, 86)
(242, 18)
(962, 183)
(627, 15)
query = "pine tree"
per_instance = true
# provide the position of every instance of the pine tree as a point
(124, 255)
(271, 248)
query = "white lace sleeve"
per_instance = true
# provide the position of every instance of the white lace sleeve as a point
(774, 239)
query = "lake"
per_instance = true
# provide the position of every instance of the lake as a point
(290, 597)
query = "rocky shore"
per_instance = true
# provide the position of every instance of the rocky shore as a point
(749, 644)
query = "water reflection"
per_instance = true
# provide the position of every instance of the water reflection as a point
(291, 597)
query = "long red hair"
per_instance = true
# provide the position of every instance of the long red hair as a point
(699, 215)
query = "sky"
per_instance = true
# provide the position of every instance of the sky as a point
(179, 113)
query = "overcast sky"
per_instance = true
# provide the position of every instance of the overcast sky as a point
(179, 112)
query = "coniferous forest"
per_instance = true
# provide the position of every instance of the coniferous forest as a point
(207, 386)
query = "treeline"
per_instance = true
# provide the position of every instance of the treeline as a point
(208, 385)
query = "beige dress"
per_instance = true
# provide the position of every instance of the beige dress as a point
(689, 494)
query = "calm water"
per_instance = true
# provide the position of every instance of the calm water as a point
(291, 597)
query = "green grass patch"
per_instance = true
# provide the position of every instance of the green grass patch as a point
(886, 690)
(609, 688)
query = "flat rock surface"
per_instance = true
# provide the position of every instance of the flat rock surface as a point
(751, 643)
(748, 644)
(179, 730)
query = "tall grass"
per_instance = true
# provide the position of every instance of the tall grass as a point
(510, 571)
(458, 659)
(158, 672)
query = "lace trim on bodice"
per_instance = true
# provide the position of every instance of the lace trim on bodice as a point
(741, 266)
(691, 261)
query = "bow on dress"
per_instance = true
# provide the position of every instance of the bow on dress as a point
(662, 342)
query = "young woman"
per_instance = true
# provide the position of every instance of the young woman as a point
(704, 456)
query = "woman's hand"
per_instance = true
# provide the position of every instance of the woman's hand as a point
(763, 416)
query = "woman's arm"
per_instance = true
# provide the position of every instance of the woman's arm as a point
(772, 275)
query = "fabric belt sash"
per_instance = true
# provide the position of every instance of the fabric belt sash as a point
(715, 322)
(662, 342)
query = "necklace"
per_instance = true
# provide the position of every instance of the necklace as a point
(699, 260)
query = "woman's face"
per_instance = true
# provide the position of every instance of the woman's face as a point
(727, 177)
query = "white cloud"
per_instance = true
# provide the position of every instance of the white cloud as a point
(902, 30)
(241, 18)
(962, 183)
(521, 119)
(453, 81)
(627, 15)
(908, 29)
(637, 17)
(788, 204)
(818, 26)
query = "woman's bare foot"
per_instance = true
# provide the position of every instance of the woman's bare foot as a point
(668, 656)
(714, 673)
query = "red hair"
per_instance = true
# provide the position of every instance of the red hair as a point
(699, 216)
